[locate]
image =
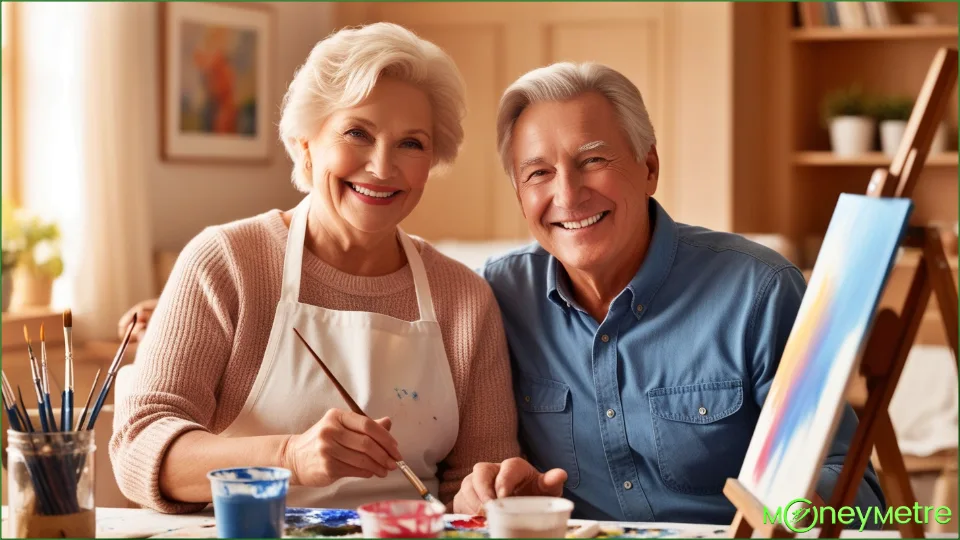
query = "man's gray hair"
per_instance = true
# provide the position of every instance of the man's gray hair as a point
(563, 81)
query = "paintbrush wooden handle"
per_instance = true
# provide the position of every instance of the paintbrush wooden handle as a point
(343, 392)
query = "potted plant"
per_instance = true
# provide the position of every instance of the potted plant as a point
(893, 113)
(39, 261)
(847, 114)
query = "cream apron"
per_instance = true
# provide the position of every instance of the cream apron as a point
(391, 368)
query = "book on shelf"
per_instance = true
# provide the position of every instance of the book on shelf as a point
(846, 15)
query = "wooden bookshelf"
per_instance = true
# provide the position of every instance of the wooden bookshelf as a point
(873, 159)
(787, 178)
(899, 32)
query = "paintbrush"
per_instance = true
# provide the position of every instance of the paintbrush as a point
(83, 414)
(404, 468)
(67, 422)
(111, 374)
(35, 371)
(10, 405)
(45, 375)
(24, 417)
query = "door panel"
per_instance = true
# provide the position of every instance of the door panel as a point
(493, 44)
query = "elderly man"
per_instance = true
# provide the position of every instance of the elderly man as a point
(642, 348)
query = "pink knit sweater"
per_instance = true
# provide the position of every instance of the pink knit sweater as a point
(204, 344)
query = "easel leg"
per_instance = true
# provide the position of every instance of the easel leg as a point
(891, 460)
(941, 282)
(740, 528)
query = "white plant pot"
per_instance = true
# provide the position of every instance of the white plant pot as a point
(891, 133)
(851, 136)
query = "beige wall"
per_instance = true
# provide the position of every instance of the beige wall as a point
(186, 198)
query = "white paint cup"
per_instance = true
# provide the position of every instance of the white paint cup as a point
(528, 517)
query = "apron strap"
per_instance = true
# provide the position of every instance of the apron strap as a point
(293, 256)
(420, 281)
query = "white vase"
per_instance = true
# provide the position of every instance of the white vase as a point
(851, 136)
(891, 133)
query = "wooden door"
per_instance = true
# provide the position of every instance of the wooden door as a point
(493, 44)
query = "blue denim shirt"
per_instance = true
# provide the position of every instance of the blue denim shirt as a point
(652, 410)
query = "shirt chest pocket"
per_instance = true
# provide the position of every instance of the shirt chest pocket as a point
(546, 421)
(701, 440)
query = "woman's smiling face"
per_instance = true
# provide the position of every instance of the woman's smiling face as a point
(370, 162)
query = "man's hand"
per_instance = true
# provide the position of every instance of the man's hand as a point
(144, 311)
(513, 477)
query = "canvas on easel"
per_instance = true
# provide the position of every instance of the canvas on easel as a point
(799, 417)
(883, 349)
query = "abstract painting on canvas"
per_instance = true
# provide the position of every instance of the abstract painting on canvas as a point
(799, 416)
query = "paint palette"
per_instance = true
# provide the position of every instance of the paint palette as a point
(331, 523)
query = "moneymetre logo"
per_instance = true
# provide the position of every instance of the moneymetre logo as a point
(800, 515)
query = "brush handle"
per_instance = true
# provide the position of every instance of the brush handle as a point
(42, 410)
(343, 391)
(100, 399)
(14, 420)
(68, 407)
(51, 421)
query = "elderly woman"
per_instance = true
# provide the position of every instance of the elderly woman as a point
(222, 380)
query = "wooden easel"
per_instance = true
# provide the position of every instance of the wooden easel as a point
(892, 335)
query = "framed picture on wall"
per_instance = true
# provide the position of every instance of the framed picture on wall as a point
(215, 97)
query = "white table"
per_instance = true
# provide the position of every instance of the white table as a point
(138, 523)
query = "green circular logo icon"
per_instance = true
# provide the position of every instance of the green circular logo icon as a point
(795, 513)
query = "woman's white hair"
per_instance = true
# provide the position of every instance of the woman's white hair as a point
(563, 81)
(343, 69)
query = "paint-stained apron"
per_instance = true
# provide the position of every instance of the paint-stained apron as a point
(391, 368)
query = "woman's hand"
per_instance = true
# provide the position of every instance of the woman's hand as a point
(340, 445)
(144, 311)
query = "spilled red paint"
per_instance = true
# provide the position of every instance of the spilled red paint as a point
(476, 522)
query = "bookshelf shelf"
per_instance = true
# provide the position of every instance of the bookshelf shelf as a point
(873, 159)
(899, 32)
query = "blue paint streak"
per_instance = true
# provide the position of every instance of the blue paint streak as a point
(300, 518)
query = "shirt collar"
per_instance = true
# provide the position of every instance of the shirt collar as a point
(648, 279)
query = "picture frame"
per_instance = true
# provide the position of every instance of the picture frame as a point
(215, 77)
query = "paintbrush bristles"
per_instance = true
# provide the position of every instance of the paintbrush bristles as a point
(68, 319)
(41, 332)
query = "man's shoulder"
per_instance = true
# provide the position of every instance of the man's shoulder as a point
(525, 257)
(517, 271)
(706, 245)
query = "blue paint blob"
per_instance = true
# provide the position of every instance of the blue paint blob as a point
(301, 518)
(416, 396)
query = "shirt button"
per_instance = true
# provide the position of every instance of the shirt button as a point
(627, 485)
(604, 338)
(639, 308)
(611, 413)
(526, 398)
(702, 411)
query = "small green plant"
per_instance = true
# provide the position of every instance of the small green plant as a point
(851, 101)
(894, 108)
(31, 242)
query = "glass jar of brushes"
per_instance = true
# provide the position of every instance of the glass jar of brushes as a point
(51, 484)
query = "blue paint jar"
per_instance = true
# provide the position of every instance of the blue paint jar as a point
(249, 502)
